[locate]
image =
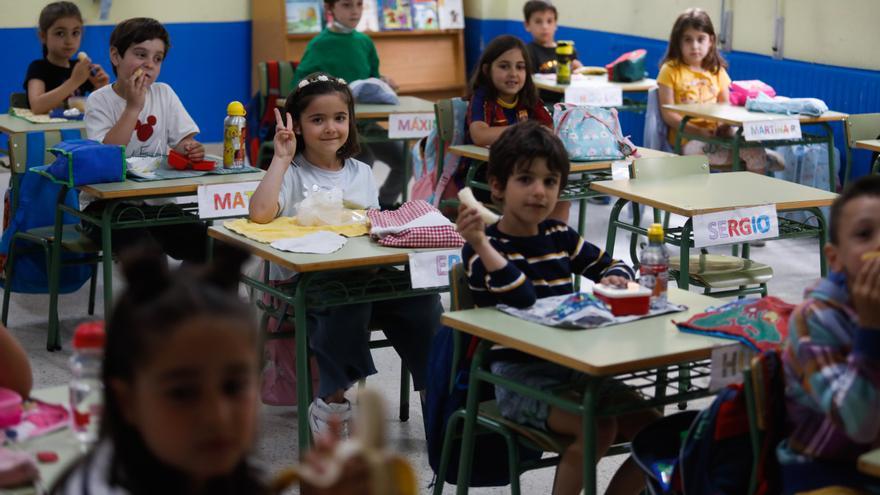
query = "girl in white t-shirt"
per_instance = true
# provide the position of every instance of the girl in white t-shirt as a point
(314, 145)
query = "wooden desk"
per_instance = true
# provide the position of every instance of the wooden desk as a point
(61, 442)
(870, 145)
(373, 111)
(481, 153)
(601, 352)
(549, 83)
(347, 276)
(725, 113)
(131, 189)
(705, 193)
(17, 130)
(869, 463)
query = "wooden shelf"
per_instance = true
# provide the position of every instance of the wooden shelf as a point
(384, 34)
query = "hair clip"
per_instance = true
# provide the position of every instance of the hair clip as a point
(321, 78)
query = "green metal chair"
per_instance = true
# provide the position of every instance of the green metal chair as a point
(766, 414)
(19, 100)
(285, 75)
(860, 127)
(445, 116)
(734, 275)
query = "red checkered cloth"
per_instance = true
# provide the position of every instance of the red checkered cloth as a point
(427, 236)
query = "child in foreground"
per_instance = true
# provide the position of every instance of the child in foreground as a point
(526, 256)
(832, 357)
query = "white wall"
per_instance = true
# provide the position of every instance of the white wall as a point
(24, 13)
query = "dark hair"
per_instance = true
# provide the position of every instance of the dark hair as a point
(319, 84)
(137, 30)
(694, 18)
(535, 6)
(518, 147)
(158, 303)
(480, 78)
(53, 12)
(866, 186)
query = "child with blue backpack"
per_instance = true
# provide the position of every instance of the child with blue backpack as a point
(525, 256)
(832, 357)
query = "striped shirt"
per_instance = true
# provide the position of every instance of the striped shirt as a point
(538, 266)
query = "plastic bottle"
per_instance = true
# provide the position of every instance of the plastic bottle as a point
(234, 135)
(86, 387)
(564, 52)
(654, 270)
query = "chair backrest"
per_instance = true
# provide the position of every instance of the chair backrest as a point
(282, 82)
(19, 100)
(668, 167)
(459, 291)
(764, 385)
(656, 131)
(445, 120)
(28, 150)
(862, 126)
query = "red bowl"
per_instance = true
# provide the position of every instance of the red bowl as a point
(177, 161)
(633, 300)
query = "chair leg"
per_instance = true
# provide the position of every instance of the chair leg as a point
(10, 272)
(404, 393)
(512, 462)
(53, 339)
(446, 453)
(93, 284)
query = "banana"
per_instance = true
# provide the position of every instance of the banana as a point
(870, 255)
(466, 196)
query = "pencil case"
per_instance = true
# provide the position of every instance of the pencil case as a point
(180, 162)
(10, 408)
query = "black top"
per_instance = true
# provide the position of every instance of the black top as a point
(54, 76)
(544, 58)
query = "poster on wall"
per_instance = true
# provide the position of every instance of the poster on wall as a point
(424, 13)
(451, 13)
(396, 14)
(303, 16)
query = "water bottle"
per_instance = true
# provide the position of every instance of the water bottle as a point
(86, 387)
(564, 54)
(234, 135)
(654, 270)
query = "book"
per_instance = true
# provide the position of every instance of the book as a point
(370, 17)
(303, 16)
(424, 14)
(451, 14)
(395, 14)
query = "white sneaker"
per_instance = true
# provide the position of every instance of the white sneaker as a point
(320, 413)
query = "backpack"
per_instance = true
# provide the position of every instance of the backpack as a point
(426, 155)
(276, 81)
(628, 67)
(591, 133)
(446, 392)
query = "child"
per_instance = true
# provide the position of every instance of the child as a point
(832, 357)
(344, 52)
(693, 71)
(54, 78)
(526, 256)
(501, 93)
(314, 146)
(147, 118)
(174, 420)
(15, 370)
(540, 21)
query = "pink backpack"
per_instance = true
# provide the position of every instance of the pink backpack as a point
(740, 91)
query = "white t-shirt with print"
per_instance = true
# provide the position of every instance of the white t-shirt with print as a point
(355, 180)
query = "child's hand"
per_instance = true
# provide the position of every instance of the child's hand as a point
(98, 77)
(134, 90)
(81, 71)
(866, 294)
(194, 150)
(471, 226)
(285, 139)
(615, 281)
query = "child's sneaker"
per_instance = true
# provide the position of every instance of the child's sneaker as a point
(320, 413)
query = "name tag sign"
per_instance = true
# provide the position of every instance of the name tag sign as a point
(728, 363)
(410, 125)
(225, 200)
(772, 129)
(734, 226)
(431, 268)
(619, 170)
(594, 95)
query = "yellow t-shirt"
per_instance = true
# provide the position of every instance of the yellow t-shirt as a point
(690, 86)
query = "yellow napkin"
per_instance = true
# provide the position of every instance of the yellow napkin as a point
(286, 227)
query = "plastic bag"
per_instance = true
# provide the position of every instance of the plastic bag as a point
(323, 206)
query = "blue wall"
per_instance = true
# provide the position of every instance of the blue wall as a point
(209, 65)
(843, 89)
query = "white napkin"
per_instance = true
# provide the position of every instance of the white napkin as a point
(432, 219)
(322, 242)
(143, 166)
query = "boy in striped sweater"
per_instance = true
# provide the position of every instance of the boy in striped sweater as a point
(832, 357)
(526, 256)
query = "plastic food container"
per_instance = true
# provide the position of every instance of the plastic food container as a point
(10, 408)
(633, 300)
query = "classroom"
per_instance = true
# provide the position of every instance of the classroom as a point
(440, 246)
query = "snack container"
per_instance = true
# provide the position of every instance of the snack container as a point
(10, 408)
(633, 300)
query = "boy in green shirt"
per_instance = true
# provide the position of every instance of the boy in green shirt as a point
(342, 51)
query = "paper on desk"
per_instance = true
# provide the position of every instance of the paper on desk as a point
(545, 311)
(322, 242)
(143, 166)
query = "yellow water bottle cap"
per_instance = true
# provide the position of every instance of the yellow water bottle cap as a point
(564, 47)
(236, 109)
(655, 232)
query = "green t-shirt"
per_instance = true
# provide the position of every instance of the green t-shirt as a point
(351, 56)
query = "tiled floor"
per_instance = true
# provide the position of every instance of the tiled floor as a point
(795, 264)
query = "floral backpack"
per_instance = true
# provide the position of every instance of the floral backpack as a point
(591, 133)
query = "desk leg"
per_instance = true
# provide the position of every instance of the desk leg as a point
(303, 377)
(736, 163)
(829, 144)
(588, 423)
(823, 238)
(678, 134)
(582, 216)
(470, 422)
(685, 255)
(612, 225)
(107, 257)
(54, 341)
(634, 237)
(407, 170)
